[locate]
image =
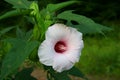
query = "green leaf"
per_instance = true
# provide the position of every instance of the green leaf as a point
(24, 74)
(24, 4)
(48, 18)
(19, 33)
(94, 28)
(14, 13)
(64, 75)
(34, 55)
(47, 23)
(37, 16)
(61, 76)
(39, 28)
(36, 32)
(28, 35)
(76, 72)
(22, 35)
(5, 30)
(85, 25)
(16, 56)
(56, 75)
(55, 7)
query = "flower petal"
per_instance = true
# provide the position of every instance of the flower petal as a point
(74, 40)
(61, 63)
(56, 32)
(46, 52)
(73, 55)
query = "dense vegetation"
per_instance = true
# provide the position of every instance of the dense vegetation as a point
(101, 55)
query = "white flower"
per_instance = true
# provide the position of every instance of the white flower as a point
(62, 47)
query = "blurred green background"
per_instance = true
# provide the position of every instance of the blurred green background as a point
(100, 59)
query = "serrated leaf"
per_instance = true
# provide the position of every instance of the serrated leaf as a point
(24, 4)
(5, 30)
(55, 7)
(14, 13)
(16, 56)
(85, 25)
(24, 74)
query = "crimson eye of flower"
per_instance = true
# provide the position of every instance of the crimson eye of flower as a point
(60, 47)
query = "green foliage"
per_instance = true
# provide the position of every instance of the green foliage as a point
(76, 72)
(24, 74)
(22, 35)
(14, 13)
(30, 29)
(2, 32)
(16, 55)
(43, 17)
(39, 27)
(60, 76)
(34, 55)
(85, 25)
(36, 13)
(102, 55)
(36, 32)
(51, 74)
(24, 4)
(55, 7)
(99, 10)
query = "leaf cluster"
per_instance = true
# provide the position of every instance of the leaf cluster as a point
(28, 31)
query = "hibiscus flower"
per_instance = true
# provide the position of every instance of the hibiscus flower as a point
(61, 48)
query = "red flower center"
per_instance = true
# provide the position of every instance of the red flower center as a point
(60, 47)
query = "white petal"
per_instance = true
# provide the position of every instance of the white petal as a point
(73, 55)
(56, 31)
(46, 52)
(75, 39)
(61, 63)
(75, 45)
